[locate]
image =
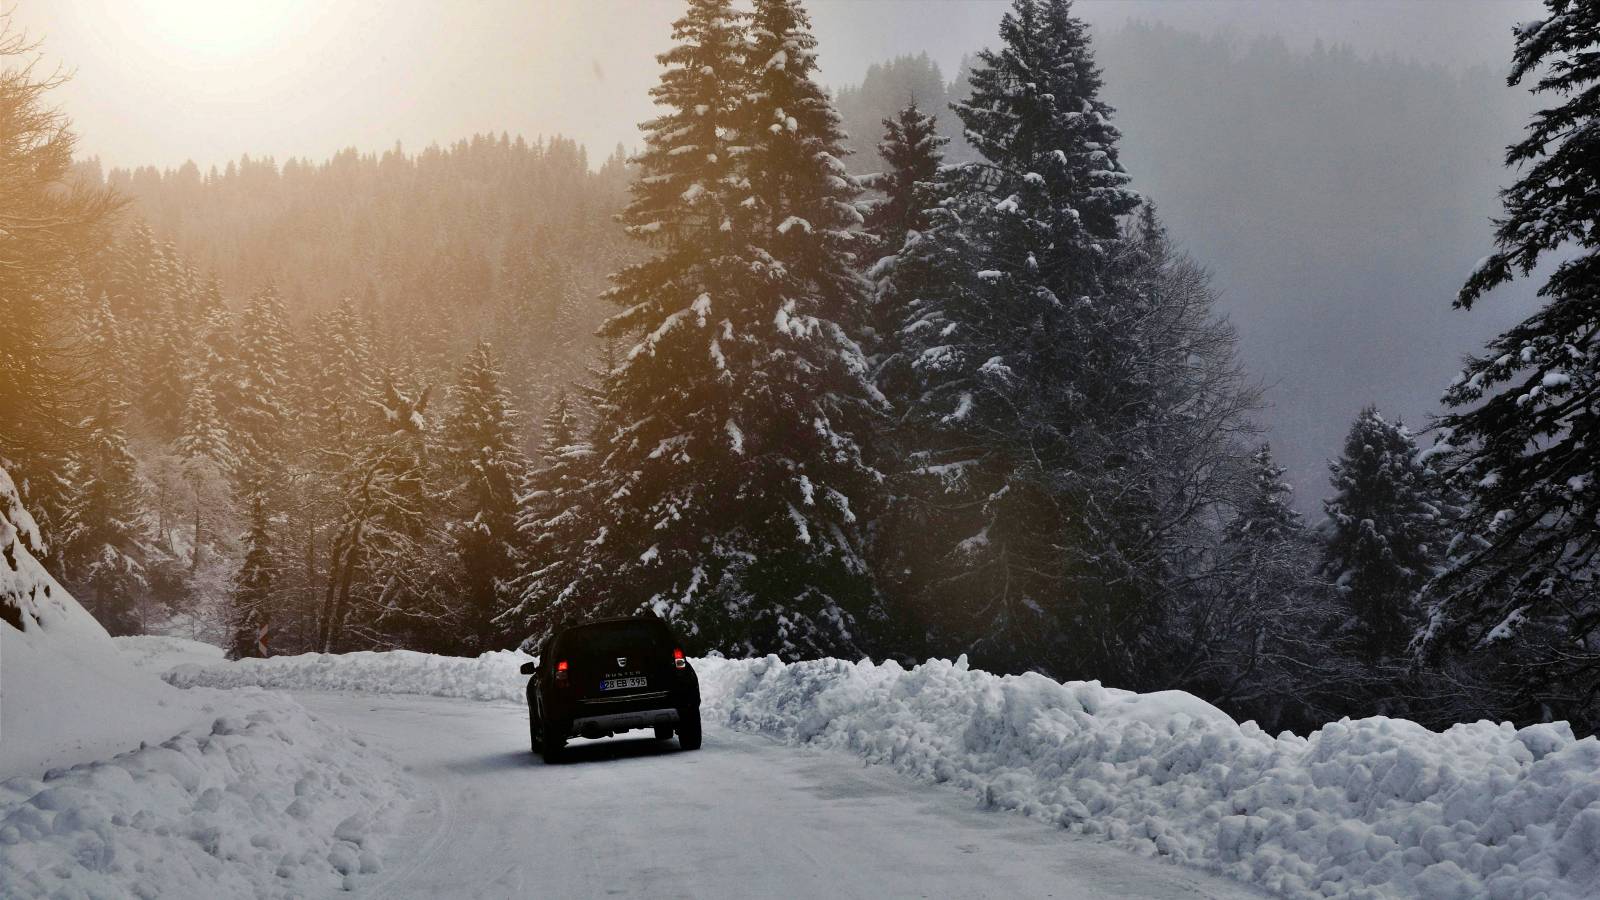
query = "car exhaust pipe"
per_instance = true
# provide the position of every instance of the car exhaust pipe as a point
(593, 732)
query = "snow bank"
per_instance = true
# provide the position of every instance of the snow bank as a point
(63, 702)
(66, 695)
(157, 653)
(1369, 808)
(492, 676)
(253, 797)
(264, 801)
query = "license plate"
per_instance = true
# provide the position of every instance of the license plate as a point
(619, 684)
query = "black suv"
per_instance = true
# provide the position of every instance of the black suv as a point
(613, 675)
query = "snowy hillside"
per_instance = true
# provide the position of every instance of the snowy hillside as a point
(1375, 807)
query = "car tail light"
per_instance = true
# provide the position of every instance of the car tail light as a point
(561, 672)
(678, 660)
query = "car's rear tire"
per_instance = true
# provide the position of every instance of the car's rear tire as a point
(663, 732)
(689, 730)
(551, 743)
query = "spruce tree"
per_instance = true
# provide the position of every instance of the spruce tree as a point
(558, 507)
(488, 470)
(912, 150)
(1385, 522)
(218, 362)
(261, 414)
(207, 458)
(101, 553)
(98, 547)
(1520, 434)
(386, 569)
(251, 603)
(1020, 385)
(731, 476)
(1266, 512)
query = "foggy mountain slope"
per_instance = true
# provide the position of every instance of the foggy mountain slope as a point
(1324, 191)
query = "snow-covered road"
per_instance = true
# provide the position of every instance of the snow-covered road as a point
(742, 817)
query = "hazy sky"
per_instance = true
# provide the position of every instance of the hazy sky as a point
(161, 81)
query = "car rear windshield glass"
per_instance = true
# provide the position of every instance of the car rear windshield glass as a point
(614, 639)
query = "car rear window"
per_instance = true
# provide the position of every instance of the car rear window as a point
(613, 639)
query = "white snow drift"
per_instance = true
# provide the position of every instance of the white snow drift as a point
(1370, 808)
(268, 802)
(253, 797)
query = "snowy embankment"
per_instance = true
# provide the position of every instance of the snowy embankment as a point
(267, 801)
(1369, 808)
(115, 784)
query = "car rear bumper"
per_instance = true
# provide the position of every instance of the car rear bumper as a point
(598, 724)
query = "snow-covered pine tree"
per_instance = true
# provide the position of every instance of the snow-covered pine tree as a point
(1523, 417)
(208, 460)
(101, 553)
(386, 561)
(251, 603)
(487, 469)
(165, 355)
(557, 517)
(1385, 530)
(1018, 358)
(341, 388)
(1266, 513)
(217, 361)
(258, 419)
(732, 476)
(913, 151)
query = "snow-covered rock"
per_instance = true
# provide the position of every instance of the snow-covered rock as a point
(1370, 808)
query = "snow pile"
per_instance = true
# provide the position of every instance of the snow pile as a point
(1376, 807)
(66, 695)
(492, 676)
(268, 802)
(158, 653)
(253, 797)
(1369, 808)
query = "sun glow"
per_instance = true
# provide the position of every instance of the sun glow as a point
(213, 31)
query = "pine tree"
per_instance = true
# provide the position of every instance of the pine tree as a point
(731, 476)
(208, 459)
(1520, 434)
(1021, 391)
(1385, 523)
(260, 417)
(488, 469)
(102, 555)
(385, 566)
(218, 364)
(912, 148)
(250, 605)
(558, 507)
(1266, 513)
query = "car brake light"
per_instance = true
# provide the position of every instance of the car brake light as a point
(678, 660)
(561, 671)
